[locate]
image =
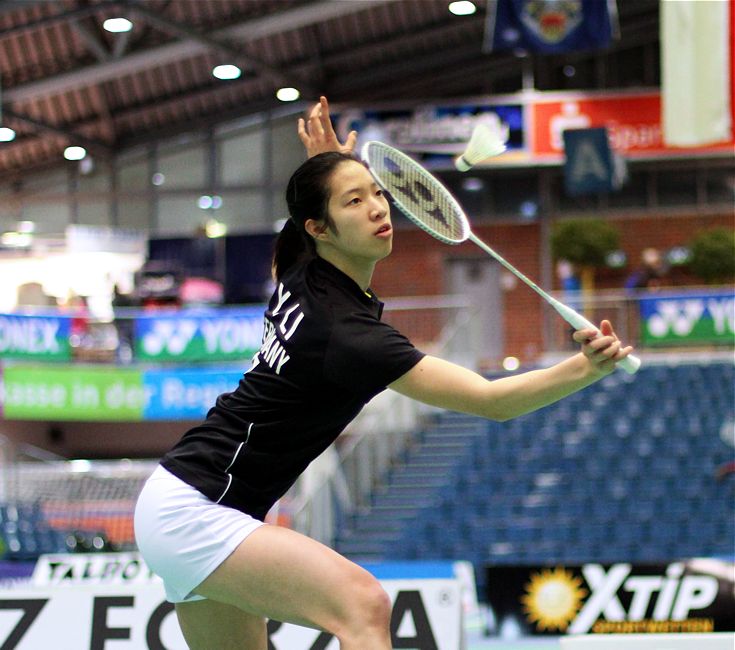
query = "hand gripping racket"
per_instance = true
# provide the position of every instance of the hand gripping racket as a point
(426, 202)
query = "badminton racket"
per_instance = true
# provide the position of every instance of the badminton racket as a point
(428, 204)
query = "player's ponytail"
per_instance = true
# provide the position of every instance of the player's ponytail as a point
(307, 197)
(292, 245)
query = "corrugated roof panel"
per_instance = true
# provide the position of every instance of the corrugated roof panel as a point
(370, 50)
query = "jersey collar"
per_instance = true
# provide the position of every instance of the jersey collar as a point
(340, 277)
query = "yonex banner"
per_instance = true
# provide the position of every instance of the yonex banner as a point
(199, 335)
(42, 337)
(76, 392)
(688, 317)
(688, 596)
(427, 615)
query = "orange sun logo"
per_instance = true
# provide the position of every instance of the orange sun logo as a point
(553, 598)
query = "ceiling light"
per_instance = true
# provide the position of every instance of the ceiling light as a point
(511, 363)
(214, 228)
(6, 134)
(462, 8)
(117, 25)
(75, 153)
(473, 184)
(288, 94)
(14, 239)
(26, 226)
(226, 71)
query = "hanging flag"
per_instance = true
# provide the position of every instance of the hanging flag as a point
(550, 26)
(696, 72)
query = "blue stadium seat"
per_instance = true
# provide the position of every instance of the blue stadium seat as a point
(622, 471)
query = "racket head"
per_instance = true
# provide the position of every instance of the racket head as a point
(420, 196)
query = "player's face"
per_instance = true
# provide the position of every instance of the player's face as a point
(360, 214)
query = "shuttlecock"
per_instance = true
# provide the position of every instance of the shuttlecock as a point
(483, 144)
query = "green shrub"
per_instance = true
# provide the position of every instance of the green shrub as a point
(584, 242)
(713, 255)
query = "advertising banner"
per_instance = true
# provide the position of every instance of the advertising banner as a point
(633, 123)
(185, 394)
(114, 394)
(692, 596)
(439, 132)
(41, 337)
(72, 393)
(199, 335)
(687, 317)
(426, 616)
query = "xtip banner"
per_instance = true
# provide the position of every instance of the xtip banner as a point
(693, 596)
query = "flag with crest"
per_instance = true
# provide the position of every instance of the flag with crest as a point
(550, 26)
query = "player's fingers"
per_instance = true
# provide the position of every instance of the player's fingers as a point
(584, 335)
(610, 351)
(601, 343)
(315, 110)
(301, 129)
(623, 352)
(315, 125)
(324, 111)
(351, 141)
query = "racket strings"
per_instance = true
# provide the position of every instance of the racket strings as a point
(418, 194)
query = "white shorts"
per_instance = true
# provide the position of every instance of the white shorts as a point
(182, 535)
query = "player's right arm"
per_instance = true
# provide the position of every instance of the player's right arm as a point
(446, 385)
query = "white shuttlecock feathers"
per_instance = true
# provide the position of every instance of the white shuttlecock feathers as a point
(483, 144)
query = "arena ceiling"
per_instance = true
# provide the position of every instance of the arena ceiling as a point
(65, 80)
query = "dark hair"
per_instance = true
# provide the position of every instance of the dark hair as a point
(307, 196)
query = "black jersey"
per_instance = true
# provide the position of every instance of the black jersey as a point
(325, 354)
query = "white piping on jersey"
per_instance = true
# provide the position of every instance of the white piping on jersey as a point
(232, 462)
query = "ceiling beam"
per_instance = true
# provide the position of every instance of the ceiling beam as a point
(48, 21)
(93, 146)
(232, 53)
(92, 42)
(246, 31)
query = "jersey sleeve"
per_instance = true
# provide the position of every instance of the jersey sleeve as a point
(365, 355)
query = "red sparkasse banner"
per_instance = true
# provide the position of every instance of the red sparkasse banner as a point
(633, 122)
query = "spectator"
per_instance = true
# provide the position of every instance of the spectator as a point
(651, 273)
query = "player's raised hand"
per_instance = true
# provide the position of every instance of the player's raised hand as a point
(317, 133)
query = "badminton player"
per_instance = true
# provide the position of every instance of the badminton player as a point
(325, 353)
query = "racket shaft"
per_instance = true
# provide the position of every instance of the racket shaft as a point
(630, 364)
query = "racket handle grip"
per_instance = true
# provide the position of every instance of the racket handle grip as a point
(630, 364)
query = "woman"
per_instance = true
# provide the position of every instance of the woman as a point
(325, 353)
